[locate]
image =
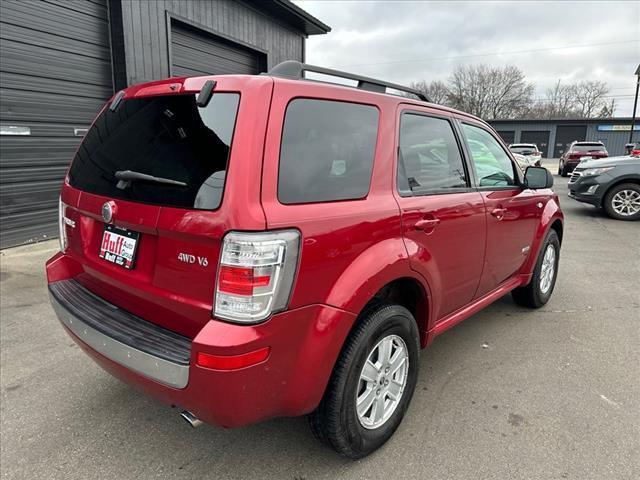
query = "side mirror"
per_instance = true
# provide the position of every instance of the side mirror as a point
(538, 177)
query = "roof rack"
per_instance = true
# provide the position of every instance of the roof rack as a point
(295, 70)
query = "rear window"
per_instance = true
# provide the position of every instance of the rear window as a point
(161, 150)
(523, 149)
(588, 148)
(327, 151)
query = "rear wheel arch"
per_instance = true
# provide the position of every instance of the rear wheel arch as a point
(375, 267)
(412, 295)
(407, 292)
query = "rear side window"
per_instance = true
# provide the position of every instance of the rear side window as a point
(327, 151)
(162, 150)
(429, 158)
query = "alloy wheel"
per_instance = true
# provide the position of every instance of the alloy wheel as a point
(382, 381)
(548, 269)
(626, 202)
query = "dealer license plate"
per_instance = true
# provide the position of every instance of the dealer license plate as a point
(119, 246)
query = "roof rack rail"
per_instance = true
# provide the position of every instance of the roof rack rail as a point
(295, 70)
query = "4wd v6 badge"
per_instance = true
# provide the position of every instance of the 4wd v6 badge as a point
(188, 258)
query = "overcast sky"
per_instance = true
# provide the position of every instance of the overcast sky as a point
(404, 41)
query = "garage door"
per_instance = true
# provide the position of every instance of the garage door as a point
(55, 73)
(196, 52)
(567, 134)
(541, 139)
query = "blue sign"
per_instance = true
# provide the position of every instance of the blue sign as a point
(618, 128)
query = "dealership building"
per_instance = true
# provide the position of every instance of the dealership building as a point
(60, 60)
(553, 137)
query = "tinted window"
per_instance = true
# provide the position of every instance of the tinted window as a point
(588, 148)
(327, 151)
(523, 150)
(429, 157)
(493, 165)
(168, 137)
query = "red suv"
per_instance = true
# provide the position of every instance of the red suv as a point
(579, 151)
(246, 247)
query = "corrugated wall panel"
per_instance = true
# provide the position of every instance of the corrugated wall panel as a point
(146, 36)
(199, 53)
(55, 73)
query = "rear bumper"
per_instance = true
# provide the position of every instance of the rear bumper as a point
(570, 165)
(304, 344)
(143, 347)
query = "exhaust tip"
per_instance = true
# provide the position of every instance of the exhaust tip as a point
(190, 418)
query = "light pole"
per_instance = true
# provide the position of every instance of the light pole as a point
(635, 105)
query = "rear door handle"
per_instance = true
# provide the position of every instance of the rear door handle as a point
(498, 212)
(427, 225)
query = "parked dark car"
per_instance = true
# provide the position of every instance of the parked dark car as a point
(612, 183)
(248, 247)
(579, 151)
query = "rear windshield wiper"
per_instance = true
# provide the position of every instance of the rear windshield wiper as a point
(125, 177)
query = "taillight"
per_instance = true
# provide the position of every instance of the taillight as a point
(241, 281)
(635, 153)
(62, 227)
(255, 275)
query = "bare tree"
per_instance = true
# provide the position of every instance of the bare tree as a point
(503, 92)
(490, 92)
(575, 100)
(591, 97)
(608, 110)
(559, 102)
(436, 90)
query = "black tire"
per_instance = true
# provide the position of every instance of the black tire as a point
(531, 295)
(564, 172)
(608, 201)
(559, 169)
(335, 422)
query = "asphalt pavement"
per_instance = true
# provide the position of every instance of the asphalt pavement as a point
(508, 394)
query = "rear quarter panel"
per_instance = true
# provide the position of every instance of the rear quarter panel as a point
(349, 249)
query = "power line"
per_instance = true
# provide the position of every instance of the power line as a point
(513, 52)
(604, 96)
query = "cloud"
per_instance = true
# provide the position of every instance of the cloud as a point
(405, 41)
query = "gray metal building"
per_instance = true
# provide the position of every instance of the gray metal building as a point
(553, 137)
(60, 60)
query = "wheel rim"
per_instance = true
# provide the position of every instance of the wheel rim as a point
(626, 202)
(382, 381)
(548, 269)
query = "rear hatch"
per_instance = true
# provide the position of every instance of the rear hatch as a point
(588, 152)
(144, 197)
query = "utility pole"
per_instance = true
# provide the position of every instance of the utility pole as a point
(635, 105)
